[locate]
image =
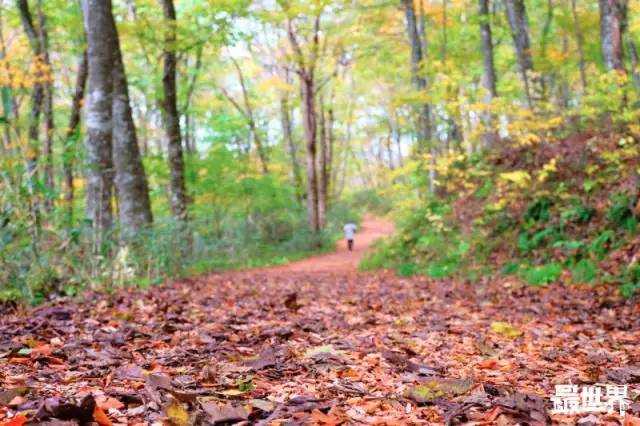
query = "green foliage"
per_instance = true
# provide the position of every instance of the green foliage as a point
(538, 211)
(584, 271)
(543, 274)
(239, 219)
(537, 220)
(620, 213)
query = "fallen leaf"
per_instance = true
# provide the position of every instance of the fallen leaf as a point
(18, 420)
(324, 419)
(505, 329)
(100, 417)
(177, 414)
(110, 403)
(224, 414)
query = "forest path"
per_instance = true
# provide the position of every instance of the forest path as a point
(341, 260)
(315, 342)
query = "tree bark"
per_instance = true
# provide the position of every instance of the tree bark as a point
(287, 132)
(49, 125)
(98, 117)
(613, 16)
(323, 178)
(518, 22)
(179, 198)
(37, 98)
(310, 134)
(134, 206)
(489, 75)
(489, 136)
(419, 82)
(633, 55)
(72, 136)
(306, 73)
(580, 42)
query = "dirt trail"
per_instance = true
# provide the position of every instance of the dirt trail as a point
(315, 342)
(340, 261)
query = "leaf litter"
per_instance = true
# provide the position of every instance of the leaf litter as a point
(349, 348)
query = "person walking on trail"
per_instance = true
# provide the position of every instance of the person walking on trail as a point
(349, 234)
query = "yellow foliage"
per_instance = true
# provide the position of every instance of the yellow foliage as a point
(547, 169)
(520, 178)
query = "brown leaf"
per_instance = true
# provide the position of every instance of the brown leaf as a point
(226, 413)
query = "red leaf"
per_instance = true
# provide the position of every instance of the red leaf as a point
(18, 420)
(100, 417)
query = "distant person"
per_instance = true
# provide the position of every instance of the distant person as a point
(349, 234)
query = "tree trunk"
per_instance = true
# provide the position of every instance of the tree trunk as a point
(419, 82)
(417, 39)
(72, 136)
(633, 54)
(580, 42)
(489, 75)
(179, 198)
(613, 16)
(306, 73)
(37, 99)
(98, 116)
(518, 22)
(134, 206)
(49, 125)
(310, 133)
(287, 131)
(323, 183)
(251, 120)
(490, 136)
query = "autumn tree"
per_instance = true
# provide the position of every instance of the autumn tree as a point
(305, 67)
(72, 134)
(419, 81)
(98, 116)
(489, 70)
(613, 17)
(134, 206)
(178, 196)
(519, 24)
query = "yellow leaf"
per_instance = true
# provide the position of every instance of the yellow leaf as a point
(177, 414)
(505, 329)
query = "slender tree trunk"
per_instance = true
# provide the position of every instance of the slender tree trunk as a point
(613, 15)
(419, 82)
(6, 97)
(489, 75)
(189, 141)
(490, 135)
(72, 136)
(287, 131)
(179, 198)
(251, 120)
(306, 73)
(134, 206)
(323, 182)
(417, 38)
(37, 99)
(633, 54)
(518, 22)
(330, 148)
(98, 116)
(580, 42)
(310, 132)
(49, 125)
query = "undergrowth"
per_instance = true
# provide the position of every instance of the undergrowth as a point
(563, 210)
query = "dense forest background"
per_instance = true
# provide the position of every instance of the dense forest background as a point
(144, 139)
